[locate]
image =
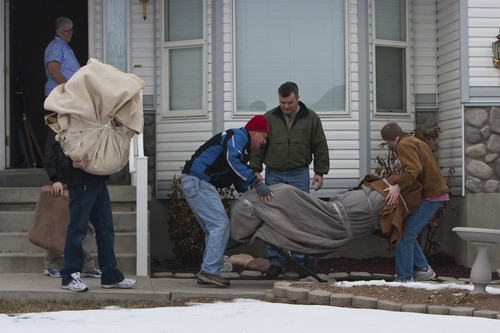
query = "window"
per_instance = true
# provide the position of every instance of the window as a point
(391, 57)
(183, 58)
(290, 40)
(116, 34)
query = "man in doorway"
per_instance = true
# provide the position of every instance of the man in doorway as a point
(295, 140)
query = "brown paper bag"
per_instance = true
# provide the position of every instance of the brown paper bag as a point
(51, 221)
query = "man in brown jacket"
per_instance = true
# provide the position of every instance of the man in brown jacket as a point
(419, 163)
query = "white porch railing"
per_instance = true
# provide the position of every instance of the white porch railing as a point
(138, 168)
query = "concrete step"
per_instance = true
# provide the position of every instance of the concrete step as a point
(33, 263)
(17, 206)
(17, 242)
(24, 177)
(25, 195)
(21, 221)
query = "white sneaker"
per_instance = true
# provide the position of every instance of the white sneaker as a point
(425, 274)
(123, 284)
(76, 284)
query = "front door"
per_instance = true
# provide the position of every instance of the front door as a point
(31, 28)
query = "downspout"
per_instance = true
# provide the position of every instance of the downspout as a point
(364, 91)
(217, 66)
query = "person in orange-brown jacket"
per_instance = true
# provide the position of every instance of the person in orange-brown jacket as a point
(419, 163)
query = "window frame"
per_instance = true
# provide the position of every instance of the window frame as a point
(405, 46)
(347, 70)
(166, 48)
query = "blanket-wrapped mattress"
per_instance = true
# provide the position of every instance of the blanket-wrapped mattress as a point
(300, 222)
(97, 112)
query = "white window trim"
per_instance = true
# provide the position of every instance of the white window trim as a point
(165, 48)
(395, 44)
(347, 68)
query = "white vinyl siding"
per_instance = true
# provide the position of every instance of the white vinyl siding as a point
(483, 26)
(450, 108)
(142, 49)
(424, 51)
(95, 29)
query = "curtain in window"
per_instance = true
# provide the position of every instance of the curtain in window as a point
(290, 40)
(390, 16)
(390, 79)
(184, 43)
(390, 55)
(116, 34)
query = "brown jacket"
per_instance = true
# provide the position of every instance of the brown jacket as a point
(393, 218)
(419, 164)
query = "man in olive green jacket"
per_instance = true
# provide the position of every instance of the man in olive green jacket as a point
(295, 139)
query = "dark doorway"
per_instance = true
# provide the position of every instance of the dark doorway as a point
(32, 27)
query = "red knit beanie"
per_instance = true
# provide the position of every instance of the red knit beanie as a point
(257, 123)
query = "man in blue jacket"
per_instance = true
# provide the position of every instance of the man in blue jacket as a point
(220, 162)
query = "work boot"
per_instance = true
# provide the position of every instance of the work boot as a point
(205, 278)
(273, 272)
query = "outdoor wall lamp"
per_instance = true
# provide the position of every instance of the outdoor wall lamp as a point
(496, 52)
(144, 7)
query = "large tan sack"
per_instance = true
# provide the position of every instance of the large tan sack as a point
(51, 221)
(98, 111)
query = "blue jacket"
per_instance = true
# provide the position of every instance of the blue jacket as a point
(223, 160)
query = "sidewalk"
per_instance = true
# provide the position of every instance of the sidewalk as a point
(38, 286)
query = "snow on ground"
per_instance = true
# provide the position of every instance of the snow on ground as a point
(246, 316)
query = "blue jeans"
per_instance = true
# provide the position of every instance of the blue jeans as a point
(90, 204)
(298, 178)
(409, 255)
(206, 204)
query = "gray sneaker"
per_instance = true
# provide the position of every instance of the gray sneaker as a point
(123, 284)
(52, 272)
(94, 273)
(76, 284)
(403, 281)
(425, 274)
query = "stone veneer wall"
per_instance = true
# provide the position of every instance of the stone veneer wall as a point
(482, 149)
(427, 120)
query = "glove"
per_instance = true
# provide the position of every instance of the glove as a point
(262, 188)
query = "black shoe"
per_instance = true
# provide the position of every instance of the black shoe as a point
(273, 272)
(205, 278)
(302, 273)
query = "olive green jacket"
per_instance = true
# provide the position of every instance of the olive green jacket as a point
(420, 164)
(295, 147)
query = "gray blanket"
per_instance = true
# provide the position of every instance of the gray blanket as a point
(298, 221)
